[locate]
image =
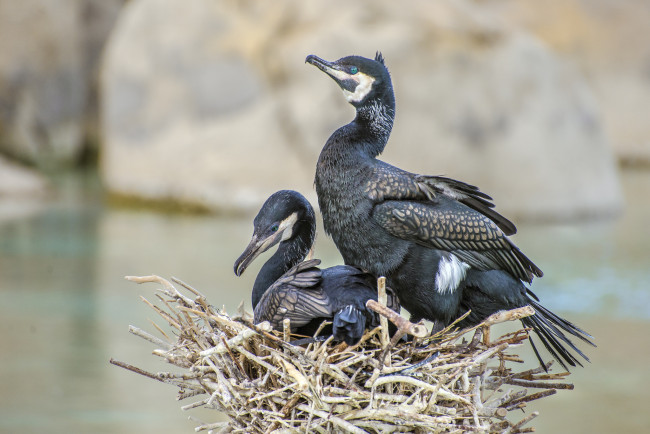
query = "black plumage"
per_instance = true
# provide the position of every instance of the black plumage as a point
(287, 287)
(486, 292)
(439, 241)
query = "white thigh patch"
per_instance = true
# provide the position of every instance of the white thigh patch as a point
(451, 271)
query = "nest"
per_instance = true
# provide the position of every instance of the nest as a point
(450, 382)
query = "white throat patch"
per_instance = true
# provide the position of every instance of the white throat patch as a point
(362, 90)
(286, 226)
(451, 271)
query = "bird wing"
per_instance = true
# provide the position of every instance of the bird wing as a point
(445, 224)
(296, 295)
(390, 182)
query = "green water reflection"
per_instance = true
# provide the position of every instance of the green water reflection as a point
(65, 309)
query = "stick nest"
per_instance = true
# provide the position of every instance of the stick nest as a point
(442, 383)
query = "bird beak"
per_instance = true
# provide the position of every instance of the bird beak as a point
(255, 248)
(319, 63)
(258, 245)
(345, 80)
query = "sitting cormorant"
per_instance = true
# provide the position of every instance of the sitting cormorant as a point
(439, 242)
(288, 288)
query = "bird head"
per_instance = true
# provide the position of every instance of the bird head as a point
(361, 79)
(284, 216)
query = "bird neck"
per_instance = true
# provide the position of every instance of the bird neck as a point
(375, 119)
(289, 253)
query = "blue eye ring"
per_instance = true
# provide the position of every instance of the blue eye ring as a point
(354, 70)
(274, 228)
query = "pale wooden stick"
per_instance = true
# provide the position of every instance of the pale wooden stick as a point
(195, 404)
(154, 340)
(211, 426)
(389, 414)
(402, 323)
(286, 329)
(532, 397)
(188, 287)
(274, 392)
(382, 299)
(445, 394)
(235, 341)
(161, 331)
(169, 288)
(523, 422)
(541, 384)
(172, 321)
(508, 315)
(347, 426)
(136, 370)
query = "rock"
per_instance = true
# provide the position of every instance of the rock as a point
(98, 20)
(47, 59)
(225, 112)
(603, 39)
(186, 117)
(512, 119)
(225, 166)
(479, 102)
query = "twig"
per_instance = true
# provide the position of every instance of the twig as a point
(523, 422)
(534, 396)
(418, 383)
(508, 315)
(154, 340)
(162, 313)
(286, 329)
(382, 300)
(211, 426)
(441, 383)
(541, 384)
(235, 341)
(188, 287)
(232, 356)
(402, 323)
(347, 426)
(136, 370)
(169, 288)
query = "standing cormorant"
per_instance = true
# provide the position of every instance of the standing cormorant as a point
(286, 287)
(439, 242)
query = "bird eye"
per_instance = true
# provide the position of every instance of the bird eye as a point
(274, 228)
(354, 70)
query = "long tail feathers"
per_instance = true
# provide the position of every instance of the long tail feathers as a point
(549, 328)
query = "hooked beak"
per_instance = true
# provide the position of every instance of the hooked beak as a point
(258, 245)
(255, 248)
(319, 63)
(344, 79)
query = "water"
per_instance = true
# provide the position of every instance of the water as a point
(65, 309)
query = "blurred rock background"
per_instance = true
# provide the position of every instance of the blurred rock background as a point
(209, 103)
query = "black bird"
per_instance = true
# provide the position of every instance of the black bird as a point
(439, 242)
(286, 287)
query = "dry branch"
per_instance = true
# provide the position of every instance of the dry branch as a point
(443, 383)
(402, 323)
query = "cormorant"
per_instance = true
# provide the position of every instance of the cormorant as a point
(286, 287)
(439, 242)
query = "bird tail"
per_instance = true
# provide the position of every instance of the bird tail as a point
(349, 324)
(550, 329)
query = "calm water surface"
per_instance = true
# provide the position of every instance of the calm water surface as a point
(65, 310)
